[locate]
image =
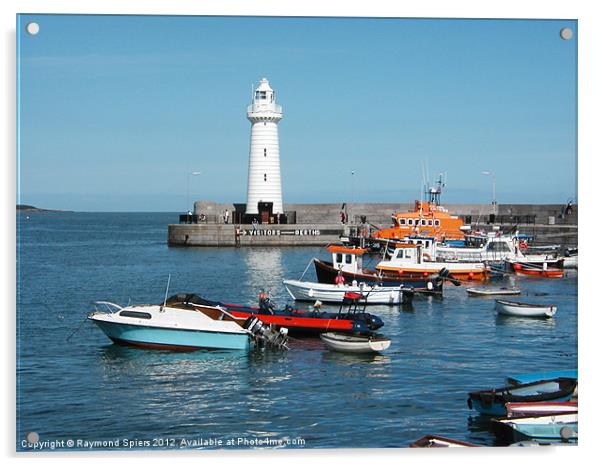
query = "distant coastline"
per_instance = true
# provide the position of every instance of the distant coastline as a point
(30, 208)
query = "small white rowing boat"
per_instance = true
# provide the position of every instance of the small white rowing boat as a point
(541, 408)
(437, 441)
(355, 343)
(327, 293)
(513, 308)
(492, 291)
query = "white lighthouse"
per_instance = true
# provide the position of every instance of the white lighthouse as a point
(264, 155)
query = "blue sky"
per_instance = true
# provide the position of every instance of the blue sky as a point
(116, 110)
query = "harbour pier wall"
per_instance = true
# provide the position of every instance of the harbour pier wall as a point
(319, 224)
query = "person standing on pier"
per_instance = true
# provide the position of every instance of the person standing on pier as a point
(226, 216)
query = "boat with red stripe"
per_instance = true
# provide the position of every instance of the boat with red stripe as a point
(350, 318)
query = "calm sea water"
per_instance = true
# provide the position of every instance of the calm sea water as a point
(85, 388)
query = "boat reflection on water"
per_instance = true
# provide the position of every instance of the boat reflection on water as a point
(525, 323)
(166, 364)
(355, 358)
(478, 427)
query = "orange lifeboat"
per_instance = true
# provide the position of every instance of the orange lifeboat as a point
(427, 219)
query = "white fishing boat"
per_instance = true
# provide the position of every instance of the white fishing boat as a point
(355, 343)
(513, 308)
(409, 260)
(369, 294)
(182, 328)
(485, 291)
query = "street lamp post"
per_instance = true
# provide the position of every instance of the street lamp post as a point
(490, 173)
(352, 179)
(188, 188)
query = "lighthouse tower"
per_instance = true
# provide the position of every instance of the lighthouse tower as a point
(264, 155)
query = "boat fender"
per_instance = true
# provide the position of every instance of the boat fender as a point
(426, 256)
(429, 286)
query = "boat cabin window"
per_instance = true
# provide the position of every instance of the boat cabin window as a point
(339, 258)
(136, 314)
(410, 221)
(348, 258)
(498, 247)
(423, 222)
(402, 221)
(437, 223)
(430, 223)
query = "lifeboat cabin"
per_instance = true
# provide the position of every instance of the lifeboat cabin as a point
(426, 219)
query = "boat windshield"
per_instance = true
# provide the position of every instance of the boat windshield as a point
(191, 298)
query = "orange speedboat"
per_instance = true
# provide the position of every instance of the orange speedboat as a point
(428, 219)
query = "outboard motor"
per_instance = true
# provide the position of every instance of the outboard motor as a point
(265, 336)
(407, 295)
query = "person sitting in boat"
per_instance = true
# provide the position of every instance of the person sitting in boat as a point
(264, 302)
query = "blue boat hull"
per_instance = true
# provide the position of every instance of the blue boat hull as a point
(549, 433)
(179, 340)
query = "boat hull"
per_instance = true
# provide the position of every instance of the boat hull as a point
(172, 339)
(309, 291)
(546, 428)
(536, 271)
(414, 271)
(354, 344)
(515, 309)
(492, 292)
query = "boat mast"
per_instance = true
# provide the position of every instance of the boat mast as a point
(166, 291)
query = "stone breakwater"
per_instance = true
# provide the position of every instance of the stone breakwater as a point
(319, 224)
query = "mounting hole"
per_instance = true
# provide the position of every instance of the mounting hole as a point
(566, 33)
(32, 28)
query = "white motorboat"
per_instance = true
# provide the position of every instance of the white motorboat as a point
(182, 328)
(485, 291)
(513, 308)
(369, 294)
(355, 343)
